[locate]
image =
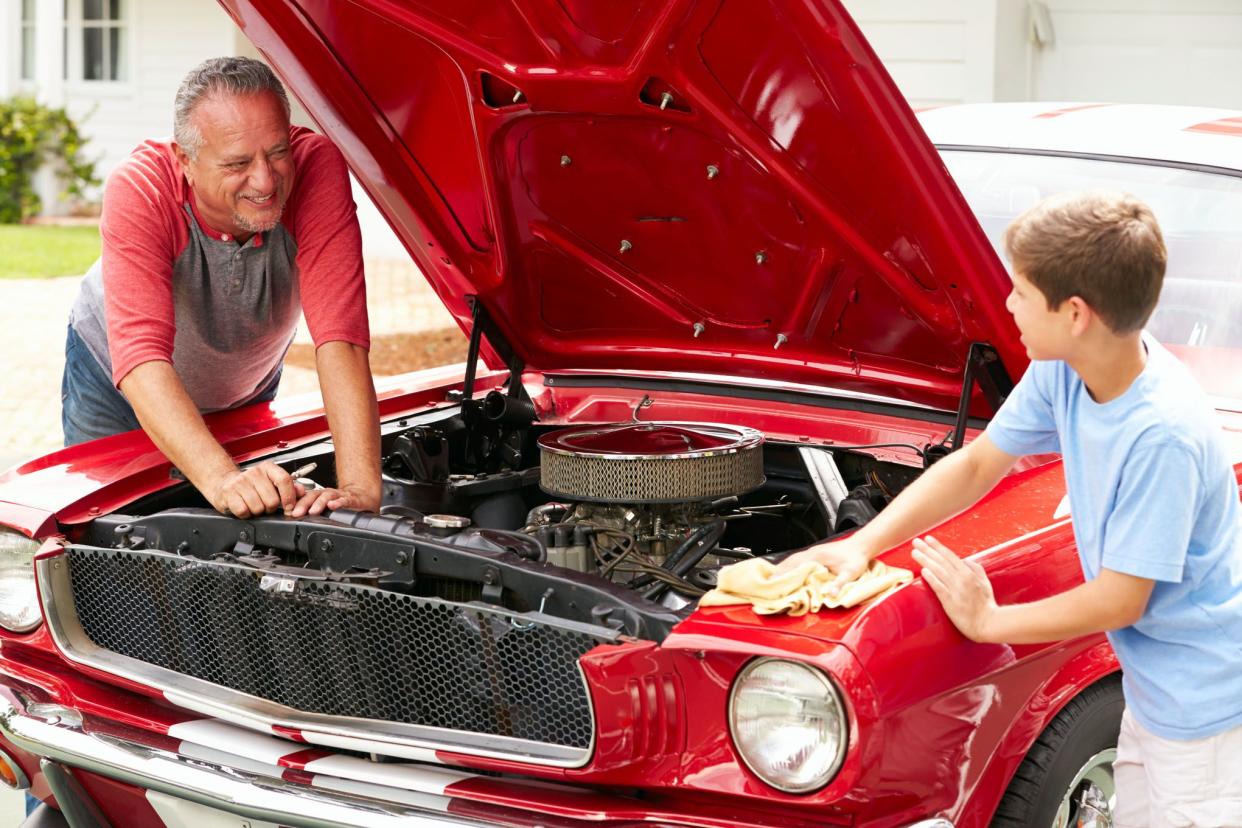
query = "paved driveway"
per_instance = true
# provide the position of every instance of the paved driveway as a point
(33, 315)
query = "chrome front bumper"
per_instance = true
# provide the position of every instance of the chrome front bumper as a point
(57, 733)
(251, 791)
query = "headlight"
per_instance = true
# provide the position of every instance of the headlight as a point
(19, 602)
(788, 724)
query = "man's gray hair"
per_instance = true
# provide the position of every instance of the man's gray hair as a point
(229, 75)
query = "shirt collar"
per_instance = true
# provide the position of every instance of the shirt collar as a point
(219, 235)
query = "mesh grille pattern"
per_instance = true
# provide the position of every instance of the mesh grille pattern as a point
(339, 650)
(651, 480)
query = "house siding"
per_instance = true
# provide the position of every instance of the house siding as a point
(948, 51)
(937, 51)
(166, 39)
(1174, 52)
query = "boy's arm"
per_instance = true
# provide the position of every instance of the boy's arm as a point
(948, 487)
(1109, 602)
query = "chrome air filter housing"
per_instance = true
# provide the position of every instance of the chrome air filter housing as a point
(636, 463)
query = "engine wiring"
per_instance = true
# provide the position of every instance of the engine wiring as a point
(626, 561)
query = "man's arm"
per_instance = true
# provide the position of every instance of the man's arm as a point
(1109, 602)
(172, 421)
(353, 416)
(948, 487)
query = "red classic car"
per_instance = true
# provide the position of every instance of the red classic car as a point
(724, 300)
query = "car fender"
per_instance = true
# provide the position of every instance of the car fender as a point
(1071, 679)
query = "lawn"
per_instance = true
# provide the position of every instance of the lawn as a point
(39, 251)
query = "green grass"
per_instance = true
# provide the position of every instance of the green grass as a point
(37, 252)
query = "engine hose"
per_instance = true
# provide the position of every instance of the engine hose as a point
(701, 541)
(536, 516)
(693, 538)
(687, 556)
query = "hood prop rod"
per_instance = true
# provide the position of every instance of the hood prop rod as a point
(985, 369)
(481, 325)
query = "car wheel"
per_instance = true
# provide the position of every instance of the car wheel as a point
(1067, 777)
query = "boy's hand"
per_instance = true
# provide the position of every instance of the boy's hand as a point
(962, 587)
(846, 560)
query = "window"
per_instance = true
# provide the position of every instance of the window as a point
(28, 40)
(1199, 316)
(95, 40)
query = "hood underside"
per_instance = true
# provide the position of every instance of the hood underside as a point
(715, 186)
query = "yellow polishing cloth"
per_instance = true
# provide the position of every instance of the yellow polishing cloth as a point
(799, 590)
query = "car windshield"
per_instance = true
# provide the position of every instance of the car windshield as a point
(1199, 316)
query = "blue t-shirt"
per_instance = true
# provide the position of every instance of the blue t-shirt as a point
(1151, 494)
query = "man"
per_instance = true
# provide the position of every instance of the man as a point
(212, 245)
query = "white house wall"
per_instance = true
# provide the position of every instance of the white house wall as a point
(1174, 52)
(946, 51)
(938, 52)
(1132, 51)
(10, 44)
(166, 39)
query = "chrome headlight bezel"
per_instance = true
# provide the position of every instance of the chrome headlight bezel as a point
(833, 700)
(17, 582)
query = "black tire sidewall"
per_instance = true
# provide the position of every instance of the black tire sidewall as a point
(1089, 724)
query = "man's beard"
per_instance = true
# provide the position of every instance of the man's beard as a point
(250, 226)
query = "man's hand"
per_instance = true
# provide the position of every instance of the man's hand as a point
(315, 501)
(256, 490)
(962, 587)
(846, 559)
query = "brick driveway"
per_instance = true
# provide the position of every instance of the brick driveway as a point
(34, 312)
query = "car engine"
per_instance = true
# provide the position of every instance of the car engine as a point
(617, 525)
(644, 501)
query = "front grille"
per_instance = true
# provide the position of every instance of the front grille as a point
(338, 649)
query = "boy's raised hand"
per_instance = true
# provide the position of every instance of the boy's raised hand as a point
(846, 559)
(962, 586)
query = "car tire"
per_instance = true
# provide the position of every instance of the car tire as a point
(1075, 751)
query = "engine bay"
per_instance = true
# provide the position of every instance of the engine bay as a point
(619, 526)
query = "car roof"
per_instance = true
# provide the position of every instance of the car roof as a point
(1181, 134)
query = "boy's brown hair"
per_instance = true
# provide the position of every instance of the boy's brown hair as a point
(1105, 248)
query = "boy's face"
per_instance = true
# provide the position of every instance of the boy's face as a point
(1045, 333)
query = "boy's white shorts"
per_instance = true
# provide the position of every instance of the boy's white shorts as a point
(1166, 783)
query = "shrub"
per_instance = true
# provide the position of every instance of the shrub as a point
(32, 134)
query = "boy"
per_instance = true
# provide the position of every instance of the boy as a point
(1154, 503)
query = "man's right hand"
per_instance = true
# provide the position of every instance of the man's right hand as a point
(846, 559)
(256, 490)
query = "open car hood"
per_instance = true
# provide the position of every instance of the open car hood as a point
(709, 186)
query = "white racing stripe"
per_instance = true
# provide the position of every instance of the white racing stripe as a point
(418, 754)
(238, 741)
(410, 777)
(217, 711)
(249, 724)
(179, 813)
(383, 793)
(230, 760)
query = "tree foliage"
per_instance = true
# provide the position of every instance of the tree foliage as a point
(32, 134)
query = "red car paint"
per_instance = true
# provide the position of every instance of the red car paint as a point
(872, 269)
(937, 724)
(830, 220)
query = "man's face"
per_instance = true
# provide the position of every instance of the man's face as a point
(1045, 333)
(244, 169)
